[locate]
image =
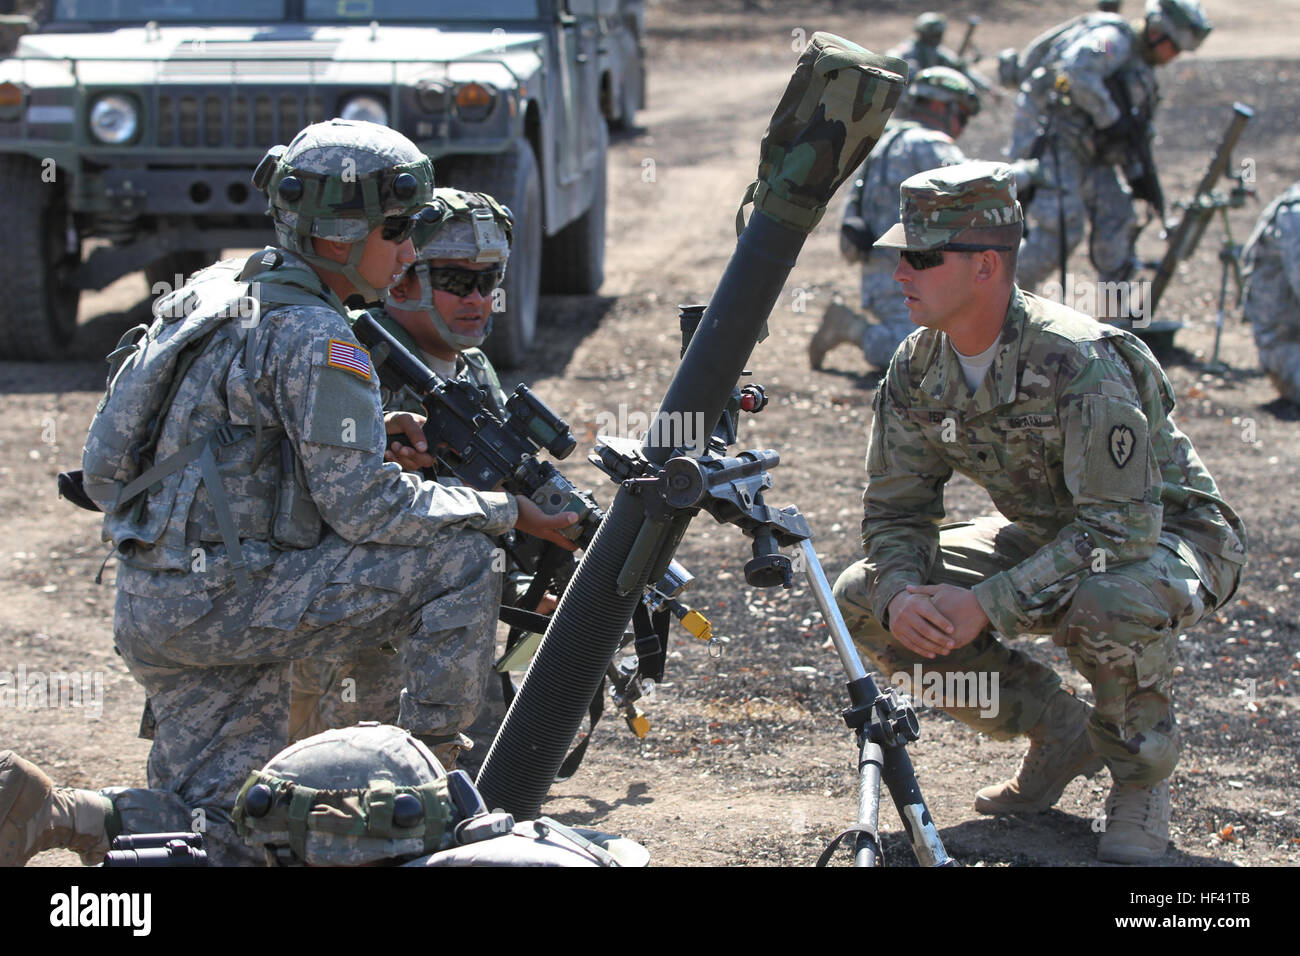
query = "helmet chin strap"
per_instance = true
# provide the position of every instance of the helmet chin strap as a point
(425, 305)
(350, 270)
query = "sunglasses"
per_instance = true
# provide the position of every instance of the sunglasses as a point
(461, 282)
(929, 258)
(399, 228)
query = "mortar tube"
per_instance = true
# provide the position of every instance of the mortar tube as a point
(587, 627)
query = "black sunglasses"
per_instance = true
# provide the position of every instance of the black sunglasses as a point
(461, 282)
(399, 228)
(929, 258)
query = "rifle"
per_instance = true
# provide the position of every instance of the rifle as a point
(482, 450)
(1139, 166)
(1203, 205)
(489, 453)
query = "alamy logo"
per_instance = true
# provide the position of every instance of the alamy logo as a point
(684, 430)
(37, 690)
(75, 908)
(951, 689)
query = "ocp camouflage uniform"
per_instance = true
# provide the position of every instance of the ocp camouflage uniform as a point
(906, 148)
(1064, 135)
(1112, 536)
(1271, 261)
(366, 686)
(376, 555)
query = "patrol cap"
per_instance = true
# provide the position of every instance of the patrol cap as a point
(939, 204)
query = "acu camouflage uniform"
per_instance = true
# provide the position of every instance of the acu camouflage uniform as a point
(920, 54)
(907, 147)
(322, 699)
(1111, 537)
(1272, 300)
(1062, 132)
(372, 554)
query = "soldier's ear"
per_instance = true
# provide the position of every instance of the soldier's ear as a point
(332, 250)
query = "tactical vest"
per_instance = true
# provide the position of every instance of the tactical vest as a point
(201, 331)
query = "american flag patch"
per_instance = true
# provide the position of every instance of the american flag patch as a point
(351, 357)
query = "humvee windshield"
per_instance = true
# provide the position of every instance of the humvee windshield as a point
(315, 11)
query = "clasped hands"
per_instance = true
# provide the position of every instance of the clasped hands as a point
(935, 619)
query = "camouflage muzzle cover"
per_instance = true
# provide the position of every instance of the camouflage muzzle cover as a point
(830, 116)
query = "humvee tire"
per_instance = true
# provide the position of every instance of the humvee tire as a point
(39, 319)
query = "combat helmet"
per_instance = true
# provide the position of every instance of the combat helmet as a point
(348, 797)
(339, 180)
(469, 226)
(931, 26)
(1183, 21)
(946, 85)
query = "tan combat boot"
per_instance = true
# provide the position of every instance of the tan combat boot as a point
(1137, 824)
(840, 324)
(1059, 751)
(35, 815)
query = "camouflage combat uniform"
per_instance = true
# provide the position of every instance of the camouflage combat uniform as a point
(377, 555)
(906, 148)
(322, 698)
(1088, 188)
(1117, 539)
(1272, 300)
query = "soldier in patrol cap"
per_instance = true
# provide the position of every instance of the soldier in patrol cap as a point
(440, 310)
(1112, 536)
(317, 551)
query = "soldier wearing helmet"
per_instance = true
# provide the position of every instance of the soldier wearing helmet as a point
(926, 50)
(441, 311)
(297, 539)
(1070, 112)
(941, 101)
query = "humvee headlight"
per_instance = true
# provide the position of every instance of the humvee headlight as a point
(114, 119)
(11, 101)
(474, 101)
(366, 108)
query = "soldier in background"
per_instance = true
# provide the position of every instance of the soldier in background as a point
(1271, 263)
(924, 136)
(926, 49)
(1067, 116)
(1111, 535)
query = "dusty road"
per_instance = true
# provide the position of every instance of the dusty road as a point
(747, 761)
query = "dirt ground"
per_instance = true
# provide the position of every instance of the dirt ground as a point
(748, 761)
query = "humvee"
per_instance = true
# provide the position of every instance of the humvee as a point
(129, 130)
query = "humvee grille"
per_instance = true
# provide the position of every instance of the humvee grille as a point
(241, 120)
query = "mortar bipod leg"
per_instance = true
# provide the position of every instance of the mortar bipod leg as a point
(897, 774)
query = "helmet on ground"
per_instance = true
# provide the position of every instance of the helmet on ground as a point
(470, 226)
(1183, 21)
(946, 85)
(365, 794)
(339, 180)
